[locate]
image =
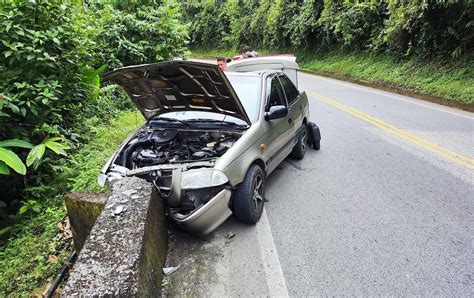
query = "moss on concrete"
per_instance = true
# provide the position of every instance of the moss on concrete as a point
(83, 209)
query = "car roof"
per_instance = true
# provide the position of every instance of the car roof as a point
(256, 73)
(264, 62)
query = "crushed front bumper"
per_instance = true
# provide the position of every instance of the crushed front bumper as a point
(212, 208)
(208, 217)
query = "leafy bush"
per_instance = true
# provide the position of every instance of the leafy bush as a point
(34, 252)
(209, 15)
(423, 28)
(147, 35)
(9, 159)
(305, 31)
(52, 55)
(240, 14)
(353, 25)
(453, 82)
(45, 49)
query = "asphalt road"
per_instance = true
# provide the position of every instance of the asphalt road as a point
(384, 208)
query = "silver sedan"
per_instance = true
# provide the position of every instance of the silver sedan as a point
(211, 138)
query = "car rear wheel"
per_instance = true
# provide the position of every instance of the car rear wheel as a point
(300, 148)
(249, 198)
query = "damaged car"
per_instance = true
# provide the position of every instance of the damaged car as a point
(211, 138)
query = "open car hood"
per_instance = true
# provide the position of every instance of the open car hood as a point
(178, 86)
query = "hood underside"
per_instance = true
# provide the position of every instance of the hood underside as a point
(178, 86)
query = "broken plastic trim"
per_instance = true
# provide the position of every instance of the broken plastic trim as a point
(117, 172)
(183, 167)
(101, 179)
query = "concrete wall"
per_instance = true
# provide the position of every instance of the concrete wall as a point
(126, 249)
(83, 209)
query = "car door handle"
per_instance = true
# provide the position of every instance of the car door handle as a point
(290, 121)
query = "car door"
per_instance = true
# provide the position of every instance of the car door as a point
(295, 108)
(278, 131)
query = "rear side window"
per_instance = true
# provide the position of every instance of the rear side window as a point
(290, 90)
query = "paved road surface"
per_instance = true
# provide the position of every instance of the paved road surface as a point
(384, 208)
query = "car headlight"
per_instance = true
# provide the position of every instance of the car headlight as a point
(202, 178)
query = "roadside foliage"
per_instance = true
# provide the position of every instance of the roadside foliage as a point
(421, 46)
(430, 29)
(58, 123)
(51, 104)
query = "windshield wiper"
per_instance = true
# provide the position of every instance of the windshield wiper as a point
(219, 121)
(174, 120)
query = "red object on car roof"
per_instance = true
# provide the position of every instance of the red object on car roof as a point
(238, 57)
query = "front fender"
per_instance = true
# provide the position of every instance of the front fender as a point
(236, 161)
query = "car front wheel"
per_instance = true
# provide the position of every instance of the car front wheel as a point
(249, 198)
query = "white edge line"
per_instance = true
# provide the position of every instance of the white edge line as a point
(388, 94)
(273, 273)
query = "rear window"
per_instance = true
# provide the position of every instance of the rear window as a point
(248, 91)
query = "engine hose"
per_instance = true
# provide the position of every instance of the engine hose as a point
(126, 153)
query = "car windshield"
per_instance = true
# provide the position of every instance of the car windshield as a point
(248, 91)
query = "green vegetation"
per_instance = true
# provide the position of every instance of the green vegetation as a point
(36, 249)
(454, 82)
(56, 127)
(423, 46)
(52, 55)
(86, 165)
(53, 110)
(428, 29)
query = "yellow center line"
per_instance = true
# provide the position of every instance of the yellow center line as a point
(432, 147)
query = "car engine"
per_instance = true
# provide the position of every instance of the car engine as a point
(168, 146)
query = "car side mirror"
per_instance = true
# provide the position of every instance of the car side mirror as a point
(276, 112)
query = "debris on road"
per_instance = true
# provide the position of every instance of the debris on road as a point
(167, 271)
(129, 192)
(230, 235)
(118, 210)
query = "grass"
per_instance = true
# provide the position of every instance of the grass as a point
(92, 157)
(453, 83)
(34, 251)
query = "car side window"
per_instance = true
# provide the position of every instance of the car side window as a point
(291, 91)
(276, 96)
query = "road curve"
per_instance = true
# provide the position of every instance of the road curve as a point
(384, 208)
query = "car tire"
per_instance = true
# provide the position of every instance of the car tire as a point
(300, 148)
(248, 200)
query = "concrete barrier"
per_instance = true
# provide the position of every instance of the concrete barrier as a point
(126, 249)
(83, 209)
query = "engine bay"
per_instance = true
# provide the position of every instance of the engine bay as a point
(157, 153)
(173, 146)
